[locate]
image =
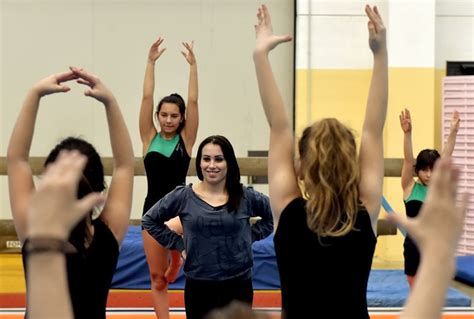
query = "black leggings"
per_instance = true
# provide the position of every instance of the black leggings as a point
(202, 296)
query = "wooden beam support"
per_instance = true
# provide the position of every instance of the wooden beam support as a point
(249, 166)
(8, 233)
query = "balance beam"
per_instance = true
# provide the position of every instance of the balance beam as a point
(249, 166)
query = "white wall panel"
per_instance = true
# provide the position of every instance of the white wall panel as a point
(423, 33)
(335, 42)
(454, 39)
(411, 41)
(303, 43)
(335, 7)
(454, 8)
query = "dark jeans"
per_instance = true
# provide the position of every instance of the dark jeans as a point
(202, 296)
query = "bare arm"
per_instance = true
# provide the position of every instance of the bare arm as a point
(408, 159)
(190, 128)
(48, 290)
(453, 132)
(20, 178)
(371, 159)
(116, 212)
(436, 231)
(147, 128)
(283, 186)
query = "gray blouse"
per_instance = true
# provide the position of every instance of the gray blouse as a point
(218, 243)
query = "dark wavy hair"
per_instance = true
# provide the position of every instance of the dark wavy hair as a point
(92, 179)
(232, 184)
(426, 159)
(175, 98)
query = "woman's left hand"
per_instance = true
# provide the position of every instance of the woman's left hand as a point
(189, 54)
(97, 89)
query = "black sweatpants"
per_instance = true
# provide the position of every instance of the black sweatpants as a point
(202, 296)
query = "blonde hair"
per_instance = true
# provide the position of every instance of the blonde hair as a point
(330, 177)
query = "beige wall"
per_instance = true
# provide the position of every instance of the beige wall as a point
(111, 38)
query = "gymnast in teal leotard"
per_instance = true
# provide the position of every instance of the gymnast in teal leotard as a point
(166, 155)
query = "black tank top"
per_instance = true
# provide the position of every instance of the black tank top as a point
(90, 273)
(334, 270)
(165, 173)
(411, 253)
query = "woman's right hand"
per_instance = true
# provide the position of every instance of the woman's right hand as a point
(54, 83)
(405, 121)
(266, 40)
(189, 53)
(455, 120)
(377, 31)
(155, 51)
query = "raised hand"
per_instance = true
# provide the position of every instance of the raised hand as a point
(377, 33)
(54, 208)
(405, 121)
(54, 83)
(96, 89)
(266, 40)
(455, 120)
(155, 50)
(441, 219)
(189, 53)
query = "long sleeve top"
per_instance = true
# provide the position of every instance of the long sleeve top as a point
(218, 243)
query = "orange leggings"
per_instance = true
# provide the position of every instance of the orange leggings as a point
(411, 280)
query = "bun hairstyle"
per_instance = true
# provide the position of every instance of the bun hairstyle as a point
(176, 99)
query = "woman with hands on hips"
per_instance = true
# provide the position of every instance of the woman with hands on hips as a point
(216, 214)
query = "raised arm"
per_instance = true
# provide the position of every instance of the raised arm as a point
(283, 185)
(20, 178)
(453, 132)
(408, 159)
(147, 128)
(436, 231)
(116, 212)
(190, 128)
(52, 213)
(371, 159)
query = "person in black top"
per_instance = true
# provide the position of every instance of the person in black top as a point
(95, 242)
(52, 213)
(334, 225)
(436, 230)
(166, 156)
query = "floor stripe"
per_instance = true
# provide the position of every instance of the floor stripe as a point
(178, 313)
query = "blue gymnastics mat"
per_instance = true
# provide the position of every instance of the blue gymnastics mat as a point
(389, 288)
(465, 269)
(386, 288)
